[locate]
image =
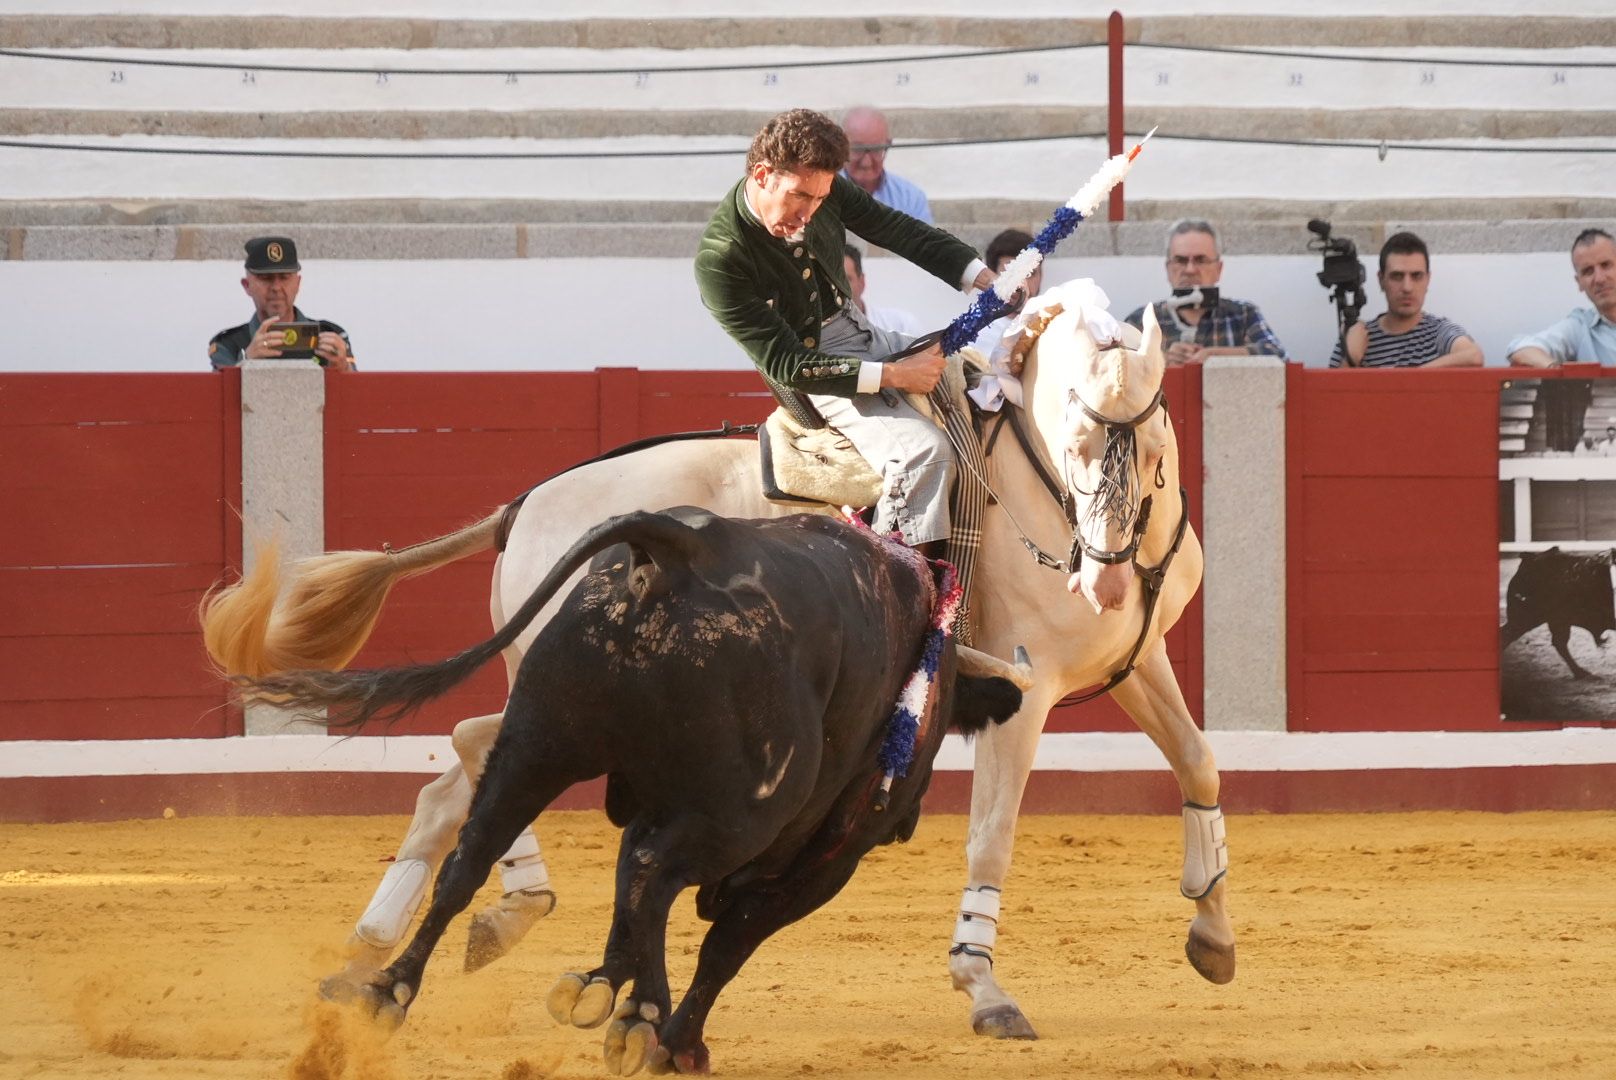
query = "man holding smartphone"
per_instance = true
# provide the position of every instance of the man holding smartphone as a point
(278, 330)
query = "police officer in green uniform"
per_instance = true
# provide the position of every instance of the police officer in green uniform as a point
(273, 278)
(770, 271)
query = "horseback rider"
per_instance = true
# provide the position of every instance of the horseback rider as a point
(770, 270)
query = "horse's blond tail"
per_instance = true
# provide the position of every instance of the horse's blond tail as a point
(330, 608)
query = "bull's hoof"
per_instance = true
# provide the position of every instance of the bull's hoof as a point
(630, 1043)
(378, 1001)
(579, 1003)
(1002, 1022)
(386, 1005)
(1214, 962)
(693, 1062)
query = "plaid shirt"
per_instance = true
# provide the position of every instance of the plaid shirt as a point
(1231, 323)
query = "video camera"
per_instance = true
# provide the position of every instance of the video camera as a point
(1343, 275)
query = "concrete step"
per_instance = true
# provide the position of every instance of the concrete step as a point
(44, 31)
(910, 124)
(537, 230)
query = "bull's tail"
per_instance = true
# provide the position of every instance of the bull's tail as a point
(355, 697)
(330, 608)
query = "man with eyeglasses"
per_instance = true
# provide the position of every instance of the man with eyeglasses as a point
(1197, 321)
(867, 130)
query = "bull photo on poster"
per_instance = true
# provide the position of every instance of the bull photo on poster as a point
(1556, 545)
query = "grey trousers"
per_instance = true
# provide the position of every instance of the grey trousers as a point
(911, 453)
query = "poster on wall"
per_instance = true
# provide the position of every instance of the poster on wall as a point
(1556, 541)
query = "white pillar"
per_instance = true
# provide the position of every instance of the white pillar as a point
(1243, 448)
(1521, 489)
(282, 482)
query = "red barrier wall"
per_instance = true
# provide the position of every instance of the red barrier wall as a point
(410, 456)
(1392, 550)
(121, 496)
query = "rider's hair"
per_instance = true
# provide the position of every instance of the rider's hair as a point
(1404, 243)
(1007, 245)
(800, 139)
(1189, 225)
(1589, 236)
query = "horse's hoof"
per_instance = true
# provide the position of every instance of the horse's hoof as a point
(1214, 962)
(1002, 1022)
(483, 946)
(338, 990)
(629, 1045)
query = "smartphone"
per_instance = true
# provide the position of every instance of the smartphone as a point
(297, 339)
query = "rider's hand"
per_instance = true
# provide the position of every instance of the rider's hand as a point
(916, 374)
(984, 278)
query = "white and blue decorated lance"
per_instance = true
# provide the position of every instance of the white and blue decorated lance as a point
(995, 300)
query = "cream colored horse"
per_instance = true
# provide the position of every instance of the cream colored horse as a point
(1078, 631)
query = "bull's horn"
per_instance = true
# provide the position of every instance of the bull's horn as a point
(975, 662)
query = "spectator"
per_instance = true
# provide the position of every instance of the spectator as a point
(886, 318)
(273, 278)
(1001, 251)
(770, 270)
(867, 130)
(1587, 334)
(1196, 321)
(1406, 335)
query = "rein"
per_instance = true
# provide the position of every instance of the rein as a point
(1151, 578)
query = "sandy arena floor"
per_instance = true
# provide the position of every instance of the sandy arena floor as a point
(1426, 945)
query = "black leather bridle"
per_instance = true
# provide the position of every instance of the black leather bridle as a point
(1151, 578)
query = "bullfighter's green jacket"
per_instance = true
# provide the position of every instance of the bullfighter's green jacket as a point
(772, 295)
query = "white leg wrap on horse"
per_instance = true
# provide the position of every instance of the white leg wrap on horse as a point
(522, 869)
(977, 928)
(397, 897)
(1206, 851)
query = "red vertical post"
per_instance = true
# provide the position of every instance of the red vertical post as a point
(1114, 112)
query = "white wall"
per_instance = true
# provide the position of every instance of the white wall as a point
(522, 314)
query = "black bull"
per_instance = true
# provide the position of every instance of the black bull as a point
(733, 681)
(1562, 590)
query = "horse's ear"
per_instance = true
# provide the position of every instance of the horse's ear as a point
(1150, 333)
(1149, 351)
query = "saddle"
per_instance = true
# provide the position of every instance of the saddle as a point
(818, 464)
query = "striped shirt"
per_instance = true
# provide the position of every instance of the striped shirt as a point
(1432, 336)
